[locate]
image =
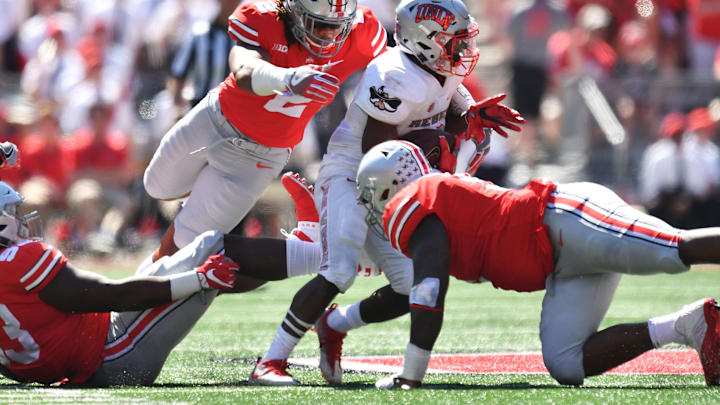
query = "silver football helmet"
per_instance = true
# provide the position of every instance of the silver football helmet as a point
(14, 225)
(441, 34)
(383, 171)
(310, 16)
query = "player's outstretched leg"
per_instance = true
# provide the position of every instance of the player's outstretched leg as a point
(306, 213)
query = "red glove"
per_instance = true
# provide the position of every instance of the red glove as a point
(311, 81)
(448, 158)
(218, 272)
(489, 113)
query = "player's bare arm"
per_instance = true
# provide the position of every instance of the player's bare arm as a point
(430, 250)
(79, 291)
(243, 59)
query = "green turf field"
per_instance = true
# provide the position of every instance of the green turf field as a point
(212, 364)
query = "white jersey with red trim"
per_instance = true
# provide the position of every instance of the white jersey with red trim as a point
(279, 120)
(39, 343)
(394, 90)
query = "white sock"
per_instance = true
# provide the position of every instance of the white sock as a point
(346, 318)
(284, 343)
(302, 258)
(144, 265)
(662, 330)
(311, 229)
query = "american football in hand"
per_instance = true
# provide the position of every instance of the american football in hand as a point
(429, 141)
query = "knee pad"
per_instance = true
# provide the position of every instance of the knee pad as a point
(566, 368)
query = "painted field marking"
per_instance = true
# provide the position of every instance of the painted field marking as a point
(653, 362)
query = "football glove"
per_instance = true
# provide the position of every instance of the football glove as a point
(396, 381)
(448, 158)
(489, 113)
(218, 272)
(8, 154)
(310, 81)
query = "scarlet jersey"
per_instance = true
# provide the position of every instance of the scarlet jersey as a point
(496, 234)
(279, 120)
(39, 343)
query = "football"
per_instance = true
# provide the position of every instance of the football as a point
(429, 141)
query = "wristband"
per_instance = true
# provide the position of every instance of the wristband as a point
(267, 79)
(415, 363)
(184, 284)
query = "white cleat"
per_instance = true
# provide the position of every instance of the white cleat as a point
(272, 372)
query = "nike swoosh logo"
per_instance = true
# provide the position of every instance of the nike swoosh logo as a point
(262, 166)
(328, 65)
(211, 276)
(295, 80)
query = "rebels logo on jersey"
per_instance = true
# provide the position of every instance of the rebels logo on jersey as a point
(382, 100)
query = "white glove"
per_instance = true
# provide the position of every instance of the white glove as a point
(310, 81)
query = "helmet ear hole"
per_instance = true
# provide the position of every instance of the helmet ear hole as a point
(385, 194)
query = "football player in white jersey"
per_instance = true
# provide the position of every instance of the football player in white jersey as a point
(411, 87)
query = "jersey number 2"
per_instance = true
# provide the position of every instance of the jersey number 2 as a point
(292, 106)
(31, 350)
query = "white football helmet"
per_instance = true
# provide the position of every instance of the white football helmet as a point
(441, 34)
(311, 15)
(383, 171)
(14, 225)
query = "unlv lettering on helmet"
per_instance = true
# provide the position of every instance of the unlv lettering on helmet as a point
(436, 13)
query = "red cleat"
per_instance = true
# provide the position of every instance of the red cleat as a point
(331, 342)
(700, 325)
(302, 195)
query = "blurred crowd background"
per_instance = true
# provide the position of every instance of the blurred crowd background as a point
(621, 92)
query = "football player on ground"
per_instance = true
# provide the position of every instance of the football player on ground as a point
(289, 60)
(62, 324)
(407, 88)
(573, 240)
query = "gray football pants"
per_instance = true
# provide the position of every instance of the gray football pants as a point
(139, 342)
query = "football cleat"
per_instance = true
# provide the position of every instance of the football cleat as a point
(302, 195)
(699, 324)
(331, 342)
(272, 372)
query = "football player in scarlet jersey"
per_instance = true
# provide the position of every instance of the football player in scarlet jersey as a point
(289, 60)
(574, 240)
(62, 324)
(411, 87)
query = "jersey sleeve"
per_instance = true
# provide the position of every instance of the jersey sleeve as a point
(250, 22)
(388, 93)
(30, 265)
(402, 216)
(371, 35)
